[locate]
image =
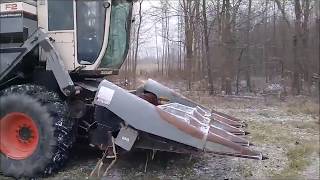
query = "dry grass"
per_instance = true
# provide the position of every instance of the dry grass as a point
(308, 107)
(299, 160)
(298, 156)
(267, 133)
(311, 126)
(302, 106)
(298, 150)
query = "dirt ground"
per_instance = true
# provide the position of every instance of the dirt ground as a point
(287, 132)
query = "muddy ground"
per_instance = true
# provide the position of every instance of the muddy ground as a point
(285, 131)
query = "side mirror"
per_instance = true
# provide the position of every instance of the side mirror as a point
(106, 4)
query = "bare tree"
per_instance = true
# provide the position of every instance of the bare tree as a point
(206, 44)
(137, 40)
(227, 42)
(189, 11)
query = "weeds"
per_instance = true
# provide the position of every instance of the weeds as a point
(303, 107)
(308, 125)
(298, 150)
(298, 157)
(264, 114)
(266, 133)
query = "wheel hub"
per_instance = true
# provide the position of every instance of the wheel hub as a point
(25, 134)
(19, 135)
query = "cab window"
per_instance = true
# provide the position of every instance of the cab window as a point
(60, 15)
(119, 32)
(90, 30)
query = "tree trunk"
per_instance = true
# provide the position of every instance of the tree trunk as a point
(227, 40)
(206, 44)
(296, 84)
(158, 63)
(188, 13)
(248, 79)
(137, 42)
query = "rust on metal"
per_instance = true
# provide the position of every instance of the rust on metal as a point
(180, 124)
(226, 120)
(201, 118)
(225, 115)
(228, 136)
(227, 127)
(220, 140)
(215, 135)
(151, 98)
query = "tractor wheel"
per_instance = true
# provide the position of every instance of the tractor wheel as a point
(36, 134)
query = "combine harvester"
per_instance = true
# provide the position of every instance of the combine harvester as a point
(54, 63)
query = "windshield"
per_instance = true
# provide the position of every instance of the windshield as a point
(119, 33)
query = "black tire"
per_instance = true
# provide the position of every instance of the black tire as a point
(49, 113)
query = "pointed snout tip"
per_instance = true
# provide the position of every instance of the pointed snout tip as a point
(246, 133)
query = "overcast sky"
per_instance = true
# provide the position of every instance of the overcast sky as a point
(151, 29)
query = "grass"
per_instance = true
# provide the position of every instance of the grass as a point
(267, 133)
(299, 160)
(303, 107)
(264, 114)
(311, 126)
(298, 151)
(298, 156)
(246, 171)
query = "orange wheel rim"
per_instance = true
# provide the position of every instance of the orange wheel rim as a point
(19, 135)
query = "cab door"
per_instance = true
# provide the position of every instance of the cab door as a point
(80, 29)
(92, 31)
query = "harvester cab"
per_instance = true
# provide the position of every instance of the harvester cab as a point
(90, 36)
(55, 58)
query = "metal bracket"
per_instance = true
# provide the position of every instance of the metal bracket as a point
(54, 60)
(126, 138)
